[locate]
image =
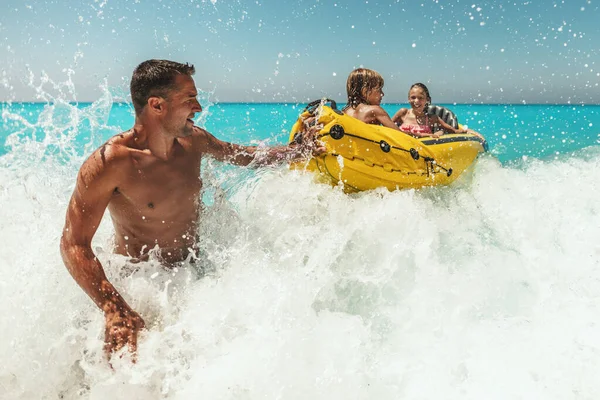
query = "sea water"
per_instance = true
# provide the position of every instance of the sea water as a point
(486, 289)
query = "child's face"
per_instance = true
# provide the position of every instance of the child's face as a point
(374, 96)
(417, 98)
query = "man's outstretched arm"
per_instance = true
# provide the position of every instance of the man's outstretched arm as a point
(255, 155)
(96, 182)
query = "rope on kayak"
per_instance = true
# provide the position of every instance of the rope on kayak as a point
(337, 132)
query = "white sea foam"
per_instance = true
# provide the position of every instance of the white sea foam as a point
(488, 289)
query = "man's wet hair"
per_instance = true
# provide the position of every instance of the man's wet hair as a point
(155, 78)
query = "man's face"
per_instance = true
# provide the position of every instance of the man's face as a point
(182, 106)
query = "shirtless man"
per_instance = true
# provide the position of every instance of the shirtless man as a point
(149, 178)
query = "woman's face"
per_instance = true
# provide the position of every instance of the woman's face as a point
(417, 98)
(374, 96)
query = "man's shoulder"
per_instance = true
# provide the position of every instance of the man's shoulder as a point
(123, 140)
(116, 150)
(200, 132)
(201, 138)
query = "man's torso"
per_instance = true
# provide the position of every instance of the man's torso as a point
(156, 202)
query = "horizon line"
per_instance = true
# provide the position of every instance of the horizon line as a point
(295, 102)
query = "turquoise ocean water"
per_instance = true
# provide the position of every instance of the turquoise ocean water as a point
(485, 289)
(513, 131)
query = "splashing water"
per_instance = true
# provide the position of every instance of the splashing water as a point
(486, 289)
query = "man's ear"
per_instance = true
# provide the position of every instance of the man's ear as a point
(156, 104)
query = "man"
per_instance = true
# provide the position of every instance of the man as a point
(149, 178)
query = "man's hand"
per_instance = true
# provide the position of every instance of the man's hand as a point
(122, 327)
(308, 121)
(310, 140)
(307, 137)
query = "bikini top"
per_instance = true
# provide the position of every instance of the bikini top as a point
(415, 128)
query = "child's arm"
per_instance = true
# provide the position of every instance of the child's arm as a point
(399, 116)
(437, 120)
(447, 127)
(434, 135)
(383, 118)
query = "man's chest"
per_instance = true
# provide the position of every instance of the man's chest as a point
(159, 186)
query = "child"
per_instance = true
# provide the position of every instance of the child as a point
(365, 91)
(416, 122)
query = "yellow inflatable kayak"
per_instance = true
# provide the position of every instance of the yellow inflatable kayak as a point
(363, 156)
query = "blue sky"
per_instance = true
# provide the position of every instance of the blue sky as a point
(538, 51)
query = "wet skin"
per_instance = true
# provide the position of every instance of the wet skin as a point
(372, 113)
(149, 179)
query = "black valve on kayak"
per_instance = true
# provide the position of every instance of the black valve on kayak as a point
(311, 107)
(449, 172)
(385, 146)
(414, 154)
(337, 132)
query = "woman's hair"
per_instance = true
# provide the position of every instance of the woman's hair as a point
(423, 88)
(361, 81)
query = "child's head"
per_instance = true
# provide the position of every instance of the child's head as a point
(360, 82)
(419, 91)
